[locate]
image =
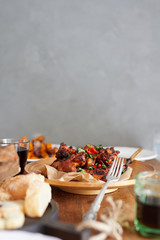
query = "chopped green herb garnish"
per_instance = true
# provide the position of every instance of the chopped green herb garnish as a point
(89, 155)
(123, 170)
(99, 146)
(103, 165)
(80, 170)
(69, 154)
(80, 150)
(90, 167)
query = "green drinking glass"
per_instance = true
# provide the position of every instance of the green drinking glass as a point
(147, 193)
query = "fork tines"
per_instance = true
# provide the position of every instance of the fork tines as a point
(116, 167)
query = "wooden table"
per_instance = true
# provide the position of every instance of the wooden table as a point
(73, 206)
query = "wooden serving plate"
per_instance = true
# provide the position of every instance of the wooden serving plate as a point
(87, 188)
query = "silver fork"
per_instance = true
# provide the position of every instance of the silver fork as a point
(113, 175)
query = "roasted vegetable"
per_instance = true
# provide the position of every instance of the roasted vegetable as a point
(39, 149)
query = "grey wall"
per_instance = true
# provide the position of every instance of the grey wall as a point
(80, 71)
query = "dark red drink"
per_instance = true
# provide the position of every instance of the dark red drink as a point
(23, 154)
(148, 213)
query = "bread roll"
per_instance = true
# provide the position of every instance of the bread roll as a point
(38, 196)
(8, 207)
(4, 196)
(2, 224)
(17, 186)
(14, 220)
(11, 214)
(35, 195)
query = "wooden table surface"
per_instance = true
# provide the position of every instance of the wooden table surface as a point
(73, 206)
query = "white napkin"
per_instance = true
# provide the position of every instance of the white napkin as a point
(22, 235)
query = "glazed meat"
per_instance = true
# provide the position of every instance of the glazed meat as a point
(78, 159)
(94, 160)
(71, 163)
(65, 165)
(98, 174)
(106, 156)
(64, 151)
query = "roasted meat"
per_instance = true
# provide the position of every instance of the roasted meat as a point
(65, 165)
(99, 174)
(71, 163)
(95, 160)
(64, 151)
(106, 156)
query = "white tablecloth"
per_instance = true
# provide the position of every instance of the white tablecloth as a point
(22, 235)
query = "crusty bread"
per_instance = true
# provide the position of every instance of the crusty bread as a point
(33, 195)
(14, 220)
(17, 186)
(4, 196)
(2, 224)
(37, 199)
(7, 207)
(11, 214)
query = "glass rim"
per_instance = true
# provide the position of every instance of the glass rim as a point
(141, 176)
(5, 141)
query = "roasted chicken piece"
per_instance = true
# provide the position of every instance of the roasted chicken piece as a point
(106, 156)
(95, 160)
(64, 151)
(72, 160)
(78, 159)
(99, 174)
(64, 165)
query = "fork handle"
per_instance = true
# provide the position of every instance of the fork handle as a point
(92, 213)
(132, 157)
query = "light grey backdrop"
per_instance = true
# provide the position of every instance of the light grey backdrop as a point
(80, 71)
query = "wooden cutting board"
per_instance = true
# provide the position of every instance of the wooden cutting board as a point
(85, 187)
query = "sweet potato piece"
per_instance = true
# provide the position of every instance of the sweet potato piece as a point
(31, 155)
(39, 138)
(30, 147)
(49, 148)
(39, 149)
(44, 155)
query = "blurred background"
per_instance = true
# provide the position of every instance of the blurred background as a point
(80, 71)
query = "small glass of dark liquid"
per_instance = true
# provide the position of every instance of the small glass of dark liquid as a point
(147, 192)
(21, 147)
